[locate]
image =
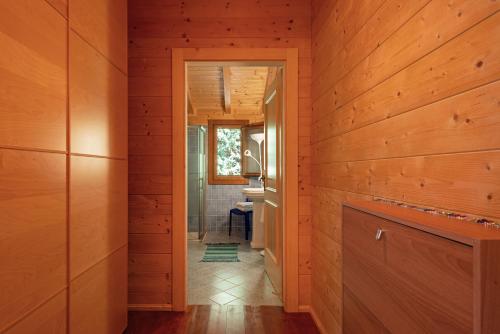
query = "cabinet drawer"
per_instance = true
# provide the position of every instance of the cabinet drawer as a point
(409, 280)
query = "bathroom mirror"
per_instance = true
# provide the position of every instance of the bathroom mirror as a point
(250, 168)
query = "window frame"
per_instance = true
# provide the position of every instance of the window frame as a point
(213, 178)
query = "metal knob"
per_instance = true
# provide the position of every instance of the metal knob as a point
(379, 233)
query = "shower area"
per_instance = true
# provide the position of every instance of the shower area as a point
(197, 181)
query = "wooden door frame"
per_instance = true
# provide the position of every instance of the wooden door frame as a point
(289, 58)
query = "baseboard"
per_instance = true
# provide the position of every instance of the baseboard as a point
(316, 320)
(150, 307)
(304, 308)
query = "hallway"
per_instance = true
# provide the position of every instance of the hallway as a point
(354, 143)
(211, 319)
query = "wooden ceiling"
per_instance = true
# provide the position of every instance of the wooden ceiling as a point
(225, 92)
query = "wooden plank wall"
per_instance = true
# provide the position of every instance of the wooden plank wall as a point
(406, 106)
(155, 27)
(63, 166)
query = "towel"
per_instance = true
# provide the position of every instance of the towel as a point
(244, 206)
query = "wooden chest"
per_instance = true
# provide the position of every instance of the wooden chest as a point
(406, 271)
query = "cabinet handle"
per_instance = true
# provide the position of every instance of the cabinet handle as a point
(378, 236)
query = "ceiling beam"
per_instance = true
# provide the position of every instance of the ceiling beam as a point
(227, 89)
(190, 108)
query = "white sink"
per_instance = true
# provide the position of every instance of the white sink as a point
(254, 193)
(257, 197)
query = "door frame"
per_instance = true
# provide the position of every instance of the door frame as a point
(289, 58)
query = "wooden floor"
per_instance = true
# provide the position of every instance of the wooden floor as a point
(212, 319)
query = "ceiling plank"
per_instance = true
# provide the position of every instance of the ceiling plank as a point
(227, 89)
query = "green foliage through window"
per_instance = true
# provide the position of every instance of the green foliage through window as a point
(228, 151)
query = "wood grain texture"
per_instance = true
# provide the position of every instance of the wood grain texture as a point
(98, 210)
(150, 263)
(33, 246)
(50, 317)
(150, 300)
(33, 71)
(354, 310)
(215, 319)
(405, 106)
(98, 297)
(150, 145)
(387, 18)
(218, 91)
(98, 102)
(461, 254)
(140, 222)
(150, 243)
(411, 281)
(103, 24)
(465, 122)
(155, 27)
(150, 164)
(486, 297)
(60, 5)
(150, 184)
(40, 66)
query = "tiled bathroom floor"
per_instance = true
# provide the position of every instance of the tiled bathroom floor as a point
(228, 283)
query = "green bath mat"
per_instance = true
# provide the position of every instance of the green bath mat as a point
(221, 253)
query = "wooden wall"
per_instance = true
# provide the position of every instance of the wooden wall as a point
(155, 27)
(406, 106)
(63, 166)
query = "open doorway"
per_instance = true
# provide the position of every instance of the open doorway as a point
(234, 143)
(277, 116)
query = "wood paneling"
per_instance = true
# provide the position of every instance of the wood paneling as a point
(103, 24)
(405, 106)
(98, 102)
(229, 26)
(33, 73)
(150, 145)
(388, 17)
(460, 123)
(33, 246)
(433, 26)
(155, 27)
(99, 297)
(149, 282)
(98, 210)
(141, 222)
(150, 184)
(150, 263)
(144, 300)
(150, 126)
(150, 106)
(430, 273)
(150, 243)
(99, 167)
(162, 46)
(225, 92)
(60, 5)
(150, 86)
(460, 253)
(150, 164)
(150, 67)
(51, 317)
(474, 63)
(39, 66)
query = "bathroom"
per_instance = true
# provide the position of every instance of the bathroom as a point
(225, 180)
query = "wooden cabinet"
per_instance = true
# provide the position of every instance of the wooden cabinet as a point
(405, 271)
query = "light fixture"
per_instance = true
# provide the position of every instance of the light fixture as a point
(258, 138)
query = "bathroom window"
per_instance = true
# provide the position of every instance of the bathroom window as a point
(224, 152)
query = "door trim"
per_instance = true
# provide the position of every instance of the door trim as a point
(289, 58)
